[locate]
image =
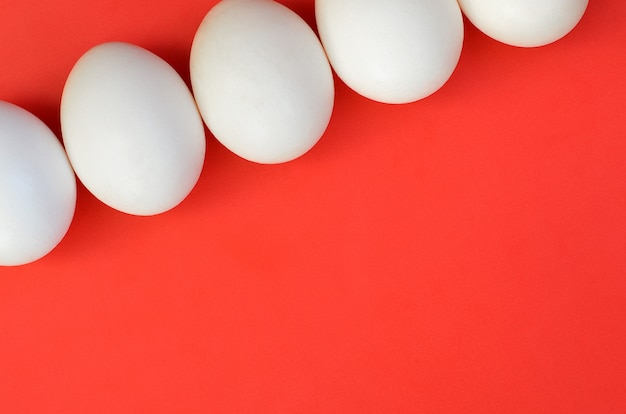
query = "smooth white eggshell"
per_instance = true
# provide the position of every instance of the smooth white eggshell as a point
(37, 188)
(131, 129)
(392, 51)
(524, 23)
(261, 80)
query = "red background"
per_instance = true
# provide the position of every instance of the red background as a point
(462, 254)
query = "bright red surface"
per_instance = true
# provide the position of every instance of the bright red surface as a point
(462, 254)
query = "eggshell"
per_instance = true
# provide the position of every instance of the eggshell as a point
(392, 51)
(37, 188)
(525, 23)
(261, 79)
(131, 129)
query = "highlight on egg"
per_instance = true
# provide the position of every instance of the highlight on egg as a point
(131, 129)
(392, 51)
(525, 23)
(261, 79)
(37, 188)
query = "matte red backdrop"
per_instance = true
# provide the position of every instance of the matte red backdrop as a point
(462, 254)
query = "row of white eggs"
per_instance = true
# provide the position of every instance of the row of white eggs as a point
(263, 84)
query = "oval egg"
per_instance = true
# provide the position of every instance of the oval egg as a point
(392, 51)
(37, 188)
(131, 129)
(261, 80)
(524, 23)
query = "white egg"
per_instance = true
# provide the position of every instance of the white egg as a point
(37, 188)
(261, 79)
(525, 23)
(392, 51)
(131, 129)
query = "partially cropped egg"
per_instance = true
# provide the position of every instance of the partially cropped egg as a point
(261, 79)
(131, 129)
(524, 23)
(37, 188)
(392, 51)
